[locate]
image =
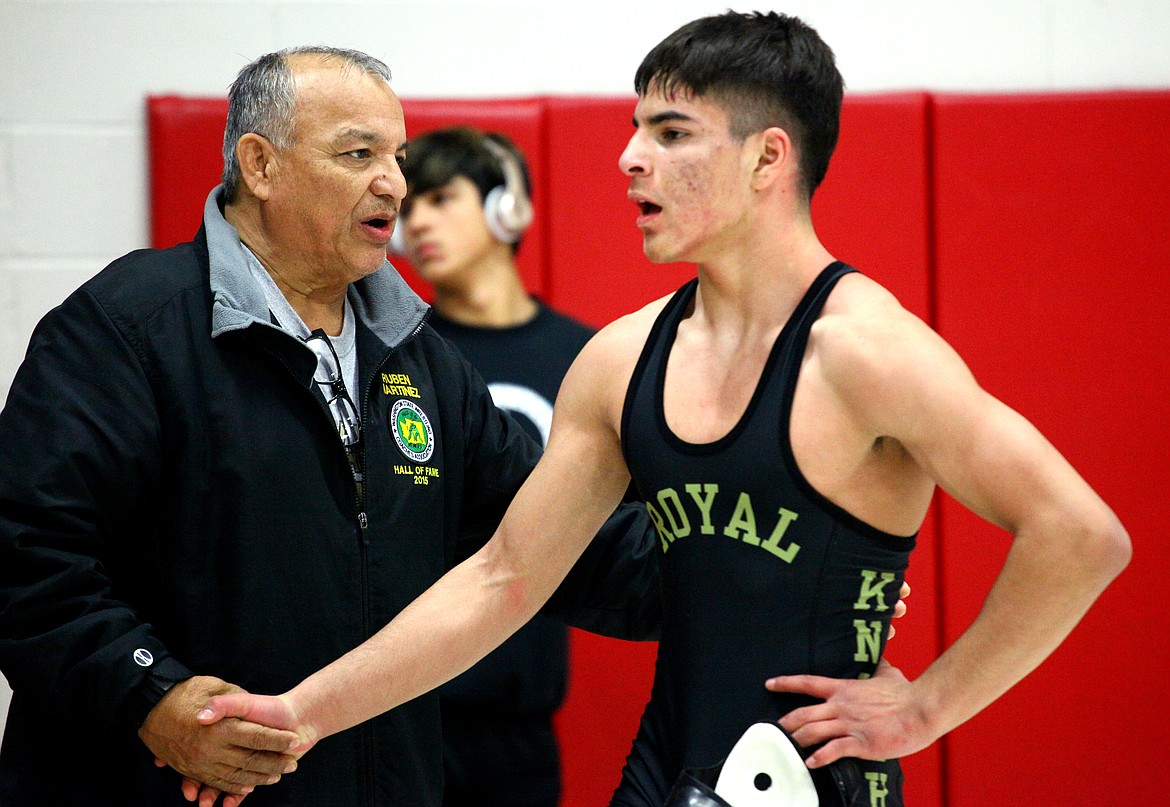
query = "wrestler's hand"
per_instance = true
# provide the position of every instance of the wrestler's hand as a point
(899, 607)
(232, 756)
(257, 710)
(273, 711)
(874, 718)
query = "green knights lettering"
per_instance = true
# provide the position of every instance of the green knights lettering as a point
(877, 788)
(871, 596)
(678, 515)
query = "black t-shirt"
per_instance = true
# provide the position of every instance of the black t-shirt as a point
(523, 365)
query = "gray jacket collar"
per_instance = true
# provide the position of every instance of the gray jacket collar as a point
(383, 302)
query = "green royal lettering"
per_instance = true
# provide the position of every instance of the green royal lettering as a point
(672, 508)
(704, 503)
(672, 522)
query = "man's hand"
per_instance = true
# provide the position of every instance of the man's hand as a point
(232, 756)
(874, 718)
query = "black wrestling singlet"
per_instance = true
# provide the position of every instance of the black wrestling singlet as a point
(761, 575)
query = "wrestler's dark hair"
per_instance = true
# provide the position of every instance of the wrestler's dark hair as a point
(763, 69)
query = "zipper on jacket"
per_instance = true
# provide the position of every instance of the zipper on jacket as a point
(358, 463)
(356, 455)
(357, 459)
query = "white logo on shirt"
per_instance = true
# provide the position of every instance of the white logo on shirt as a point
(527, 402)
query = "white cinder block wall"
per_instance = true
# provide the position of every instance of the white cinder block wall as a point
(74, 76)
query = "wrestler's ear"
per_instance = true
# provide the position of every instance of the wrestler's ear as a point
(774, 156)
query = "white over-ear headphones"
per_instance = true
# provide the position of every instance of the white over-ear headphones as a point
(506, 207)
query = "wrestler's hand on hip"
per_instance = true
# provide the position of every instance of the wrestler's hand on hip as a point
(873, 718)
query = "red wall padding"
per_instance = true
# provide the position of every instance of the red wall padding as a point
(1016, 226)
(1053, 230)
(185, 139)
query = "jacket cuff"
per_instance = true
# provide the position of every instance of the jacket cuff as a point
(159, 678)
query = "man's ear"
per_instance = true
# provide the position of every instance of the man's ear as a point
(257, 162)
(775, 157)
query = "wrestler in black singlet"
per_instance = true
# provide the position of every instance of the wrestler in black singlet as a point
(761, 575)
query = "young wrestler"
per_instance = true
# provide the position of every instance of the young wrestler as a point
(788, 422)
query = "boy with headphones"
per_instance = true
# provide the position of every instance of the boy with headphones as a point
(465, 212)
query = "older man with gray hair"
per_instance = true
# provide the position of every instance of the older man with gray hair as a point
(235, 460)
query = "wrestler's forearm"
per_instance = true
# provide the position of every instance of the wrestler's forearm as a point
(1046, 585)
(1052, 575)
(442, 633)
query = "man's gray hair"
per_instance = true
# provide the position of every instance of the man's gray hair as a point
(262, 100)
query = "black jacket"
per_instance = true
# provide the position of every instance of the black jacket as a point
(170, 483)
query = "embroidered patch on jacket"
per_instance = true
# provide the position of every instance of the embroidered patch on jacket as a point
(412, 431)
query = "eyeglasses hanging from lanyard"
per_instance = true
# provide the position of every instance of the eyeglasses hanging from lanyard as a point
(341, 406)
(333, 389)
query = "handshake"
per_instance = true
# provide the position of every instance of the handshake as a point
(223, 740)
(226, 741)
